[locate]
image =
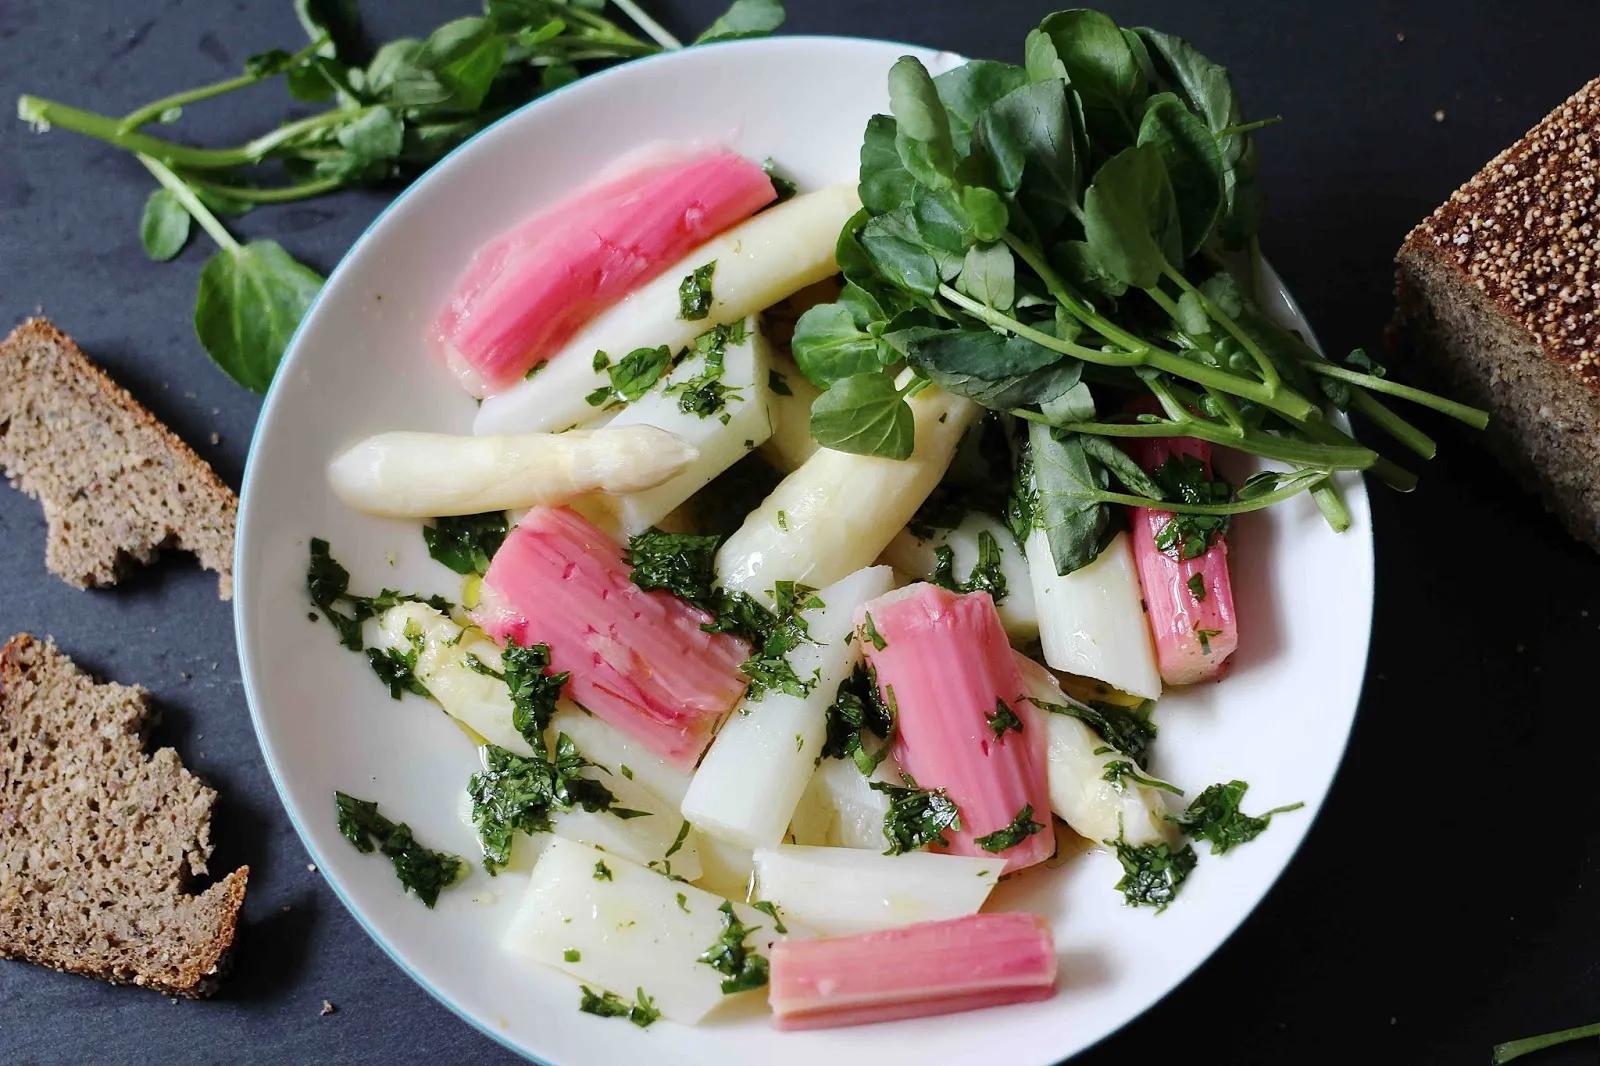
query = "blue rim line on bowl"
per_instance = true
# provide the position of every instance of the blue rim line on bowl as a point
(246, 667)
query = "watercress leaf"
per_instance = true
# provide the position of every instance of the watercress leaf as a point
(317, 78)
(863, 306)
(828, 345)
(1193, 165)
(885, 183)
(374, 137)
(1192, 317)
(338, 20)
(1121, 466)
(1074, 405)
(1141, 56)
(970, 88)
(1090, 49)
(1029, 137)
(265, 64)
(986, 212)
(941, 222)
(866, 415)
(1068, 509)
(744, 18)
(997, 370)
(923, 138)
(249, 301)
(898, 252)
(1131, 217)
(1083, 270)
(988, 274)
(464, 56)
(394, 59)
(164, 227)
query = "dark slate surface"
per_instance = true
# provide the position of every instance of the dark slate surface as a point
(1445, 899)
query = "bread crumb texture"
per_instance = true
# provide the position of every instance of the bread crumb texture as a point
(98, 840)
(1524, 232)
(116, 484)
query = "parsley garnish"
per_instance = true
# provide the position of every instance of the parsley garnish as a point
(1022, 505)
(328, 584)
(516, 793)
(600, 361)
(769, 669)
(778, 384)
(771, 910)
(986, 575)
(1205, 636)
(704, 394)
(742, 967)
(466, 543)
(683, 903)
(857, 708)
(1183, 478)
(1215, 816)
(533, 691)
(1197, 587)
(1003, 719)
(420, 870)
(602, 872)
(631, 377)
(870, 628)
(1152, 873)
(1021, 828)
(572, 955)
(917, 817)
(1128, 730)
(642, 1012)
(1120, 771)
(677, 841)
(694, 293)
(679, 563)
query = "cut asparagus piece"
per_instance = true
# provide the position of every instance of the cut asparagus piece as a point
(932, 968)
(749, 783)
(791, 443)
(1091, 621)
(944, 666)
(841, 809)
(918, 557)
(619, 752)
(759, 262)
(639, 660)
(839, 511)
(852, 890)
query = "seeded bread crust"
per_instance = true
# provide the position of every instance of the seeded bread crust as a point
(1500, 290)
(115, 483)
(97, 839)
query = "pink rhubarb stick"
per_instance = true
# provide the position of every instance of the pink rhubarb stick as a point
(1189, 601)
(946, 666)
(528, 291)
(981, 960)
(639, 660)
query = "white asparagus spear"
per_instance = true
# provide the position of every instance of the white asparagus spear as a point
(747, 787)
(838, 512)
(625, 757)
(625, 928)
(841, 809)
(759, 262)
(1091, 621)
(426, 475)
(849, 890)
(1095, 808)
(719, 443)
(915, 556)
(791, 443)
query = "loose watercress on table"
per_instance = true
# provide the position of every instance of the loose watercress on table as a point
(1029, 232)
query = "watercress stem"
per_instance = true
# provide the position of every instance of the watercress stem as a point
(650, 26)
(1230, 410)
(43, 112)
(1472, 416)
(1390, 473)
(1331, 503)
(270, 195)
(156, 108)
(1292, 485)
(1003, 321)
(1515, 1049)
(1394, 425)
(1269, 372)
(190, 202)
(1331, 456)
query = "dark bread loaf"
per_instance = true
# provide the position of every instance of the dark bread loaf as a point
(98, 840)
(1500, 290)
(115, 483)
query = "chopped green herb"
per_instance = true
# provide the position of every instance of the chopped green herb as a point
(466, 543)
(1188, 536)
(917, 817)
(1128, 730)
(478, 666)
(631, 377)
(870, 628)
(771, 909)
(642, 1012)
(742, 967)
(1120, 771)
(677, 841)
(534, 692)
(600, 361)
(572, 955)
(602, 872)
(1152, 873)
(986, 576)
(396, 668)
(1021, 828)
(799, 742)
(1022, 505)
(328, 584)
(694, 293)
(679, 563)
(1197, 587)
(769, 668)
(517, 793)
(683, 903)
(780, 184)
(778, 383)
(1214, 815)
(1003, 719)
(783, 520)
(421, 870)
(625, 772)
(1205, 636)
(857, 708)
(704, 394)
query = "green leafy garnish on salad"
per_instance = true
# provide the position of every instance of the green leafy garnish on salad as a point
(694, 292)
(1152, 873)
(1214, 815)
(534, 691)
(986, 576)
(742, 967)
(1003, 720)
(917, 817)
(1128, 730)
(1009, 836)
(466, 543)
(421, 870)
(641, 1012)
(857, 709)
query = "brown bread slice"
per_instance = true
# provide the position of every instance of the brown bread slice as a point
(1500, 290)
(97, 839)
(115, 483)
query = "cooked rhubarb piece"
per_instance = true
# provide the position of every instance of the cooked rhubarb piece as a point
(529, 290)
(1183, 568)
(945, 668)
(982, 960)
(638, 660)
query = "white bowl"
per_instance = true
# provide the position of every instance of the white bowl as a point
(358, 365)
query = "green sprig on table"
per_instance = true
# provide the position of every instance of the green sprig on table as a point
(392, 112)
